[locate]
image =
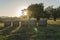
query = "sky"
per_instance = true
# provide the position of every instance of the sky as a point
(12, 8)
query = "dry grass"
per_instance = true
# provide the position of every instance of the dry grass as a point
(53, 22)
(1, 24)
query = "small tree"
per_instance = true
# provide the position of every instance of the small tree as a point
(54, 14)
(48, 12)
(57, 12)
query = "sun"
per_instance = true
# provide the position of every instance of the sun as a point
(19, 13)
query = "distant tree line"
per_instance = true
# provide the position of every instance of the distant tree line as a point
(38, 11)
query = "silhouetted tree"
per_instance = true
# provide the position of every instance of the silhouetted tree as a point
(37, 10)
(58, 12)
(48, 12)
(54, 14)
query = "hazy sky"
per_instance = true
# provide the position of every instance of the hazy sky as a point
(11, 7)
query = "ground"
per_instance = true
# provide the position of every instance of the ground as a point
(49, 32)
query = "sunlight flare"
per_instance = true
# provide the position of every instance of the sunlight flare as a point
(25, 12)
(19, 13)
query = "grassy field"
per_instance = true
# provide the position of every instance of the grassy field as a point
(53, 22)
(1, 24)
(49, 32)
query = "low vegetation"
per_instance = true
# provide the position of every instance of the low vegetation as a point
(49, 32)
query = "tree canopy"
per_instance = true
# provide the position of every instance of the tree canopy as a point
(37, 10)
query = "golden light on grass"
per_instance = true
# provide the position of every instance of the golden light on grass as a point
(53, 22)
(1, 24)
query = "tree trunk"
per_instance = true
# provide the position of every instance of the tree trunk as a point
(54, 19)
(38, 19)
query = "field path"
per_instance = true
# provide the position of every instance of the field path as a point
(16, 29)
